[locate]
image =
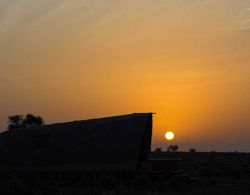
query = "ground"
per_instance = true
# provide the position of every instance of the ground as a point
(201, 173)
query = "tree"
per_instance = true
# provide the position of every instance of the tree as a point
(15, 122)
(19, 121)
(172, 148)
(31, 120)
(158, 150)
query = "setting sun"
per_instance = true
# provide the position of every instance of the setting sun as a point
(169, 135)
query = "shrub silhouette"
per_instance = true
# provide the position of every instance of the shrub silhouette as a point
(173, 148)
(158, 150)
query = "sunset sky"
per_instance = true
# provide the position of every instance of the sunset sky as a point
(186, 60)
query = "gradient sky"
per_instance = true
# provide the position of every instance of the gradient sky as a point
(186, 60)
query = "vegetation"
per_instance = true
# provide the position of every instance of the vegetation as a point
(158, 150)
(19, 121)
(172, 148)
(192, 150)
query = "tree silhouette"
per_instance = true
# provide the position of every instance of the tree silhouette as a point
(15, 122)
(19, 121)
(158, 150)
(172, 148)
(31, 120)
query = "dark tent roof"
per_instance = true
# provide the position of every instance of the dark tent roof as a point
(112, 143)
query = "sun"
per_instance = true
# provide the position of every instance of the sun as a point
(169, 135)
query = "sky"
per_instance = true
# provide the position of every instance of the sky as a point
(186, 60)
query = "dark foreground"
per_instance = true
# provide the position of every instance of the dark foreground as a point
(202, 173)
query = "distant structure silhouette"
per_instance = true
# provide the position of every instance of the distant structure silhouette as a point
(118, 144)
(112, 143)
